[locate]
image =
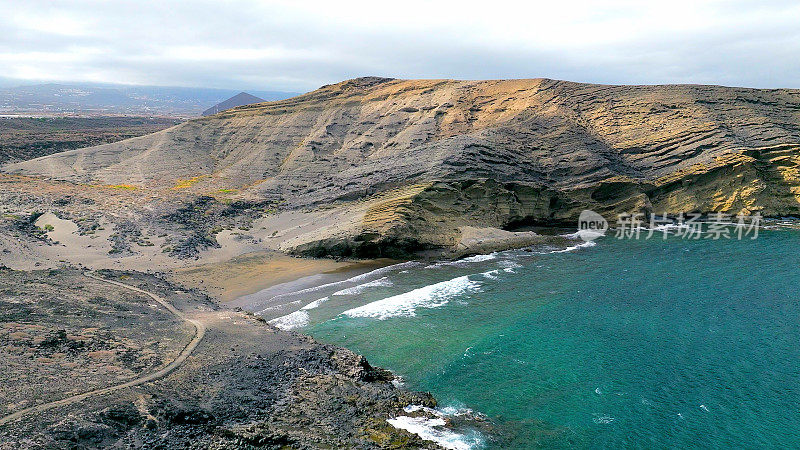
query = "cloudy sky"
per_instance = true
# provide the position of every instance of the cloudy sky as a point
(298, 46)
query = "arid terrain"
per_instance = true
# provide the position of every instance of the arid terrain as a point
(246, 384)
(223, 206)
(23, 138)
(381, 167)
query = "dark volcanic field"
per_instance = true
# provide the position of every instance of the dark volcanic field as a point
(246, 385)
(23, 138)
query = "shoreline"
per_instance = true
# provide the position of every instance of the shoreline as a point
(264, 288)
(258, 384)
(307, 282)
(254, 272)
(273, 285)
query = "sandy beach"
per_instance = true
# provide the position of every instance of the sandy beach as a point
(268, 273)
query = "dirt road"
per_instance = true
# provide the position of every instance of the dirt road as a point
(200, 331)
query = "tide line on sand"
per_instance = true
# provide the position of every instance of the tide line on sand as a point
(355, 279)
(405, 304)
(380, 282)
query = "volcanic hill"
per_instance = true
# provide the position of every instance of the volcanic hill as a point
(240, 99)
(378, 166)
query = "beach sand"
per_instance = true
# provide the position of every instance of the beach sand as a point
(254, 272)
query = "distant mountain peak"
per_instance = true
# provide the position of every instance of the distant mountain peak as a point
(240, 99)
(99, 98)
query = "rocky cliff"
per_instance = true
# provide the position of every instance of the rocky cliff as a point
(375, 164)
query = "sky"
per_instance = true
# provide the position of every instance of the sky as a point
(298, 46)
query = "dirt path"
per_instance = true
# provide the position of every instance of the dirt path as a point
(200, 331)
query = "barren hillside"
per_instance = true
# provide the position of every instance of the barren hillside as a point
(379, 163)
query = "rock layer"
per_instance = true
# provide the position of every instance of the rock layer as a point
(409, 163)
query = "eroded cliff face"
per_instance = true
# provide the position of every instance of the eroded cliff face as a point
(407, 164)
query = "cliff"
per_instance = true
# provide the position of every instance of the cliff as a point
(382, 164)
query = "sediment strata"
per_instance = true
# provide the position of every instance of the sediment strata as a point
(388, 167)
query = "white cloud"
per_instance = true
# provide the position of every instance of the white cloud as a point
(301, 45)
(59, 24)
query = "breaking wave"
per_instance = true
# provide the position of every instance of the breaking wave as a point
(431, 296)
(360, 288)
(480, 258)
(570, 249)
(354, 279)
(297, 319)
(315, 303)
(381, 271)
(464, 261)
(433, 428)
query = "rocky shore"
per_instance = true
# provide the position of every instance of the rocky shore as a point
(368, 168)
(248, 385)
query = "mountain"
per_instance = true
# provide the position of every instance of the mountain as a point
(377, 166)
(88, 98)
(240, 99)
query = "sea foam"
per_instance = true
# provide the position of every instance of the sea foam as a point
(355, 279)
(492, 274)
(382, 270)
(480, 258)
(315, 303)
(463, 262)
(361, 287)
(431, 430)
(291, 321)
(571, 249)
(431, 296)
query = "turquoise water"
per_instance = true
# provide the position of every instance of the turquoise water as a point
(649, 343)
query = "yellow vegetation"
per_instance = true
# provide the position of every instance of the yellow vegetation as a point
(183, 184)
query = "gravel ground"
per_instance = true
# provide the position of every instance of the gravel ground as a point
(246, 385)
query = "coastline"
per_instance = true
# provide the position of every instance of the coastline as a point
(246, 384)
(249, 350)
(286, 305)
(276, 287)
(257, 271)
(272, 281)
(436, 426)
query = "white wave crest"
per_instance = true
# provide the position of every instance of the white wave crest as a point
(354, 279)
(297, 319)
(431, 296)
(315, 303)
(509, 264)
(492, 274)
(381, 271)
(572, 248)
(360, 288)
(463, 262)
(432, 429)
(480, 258)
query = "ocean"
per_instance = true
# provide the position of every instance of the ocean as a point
(659, 343)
